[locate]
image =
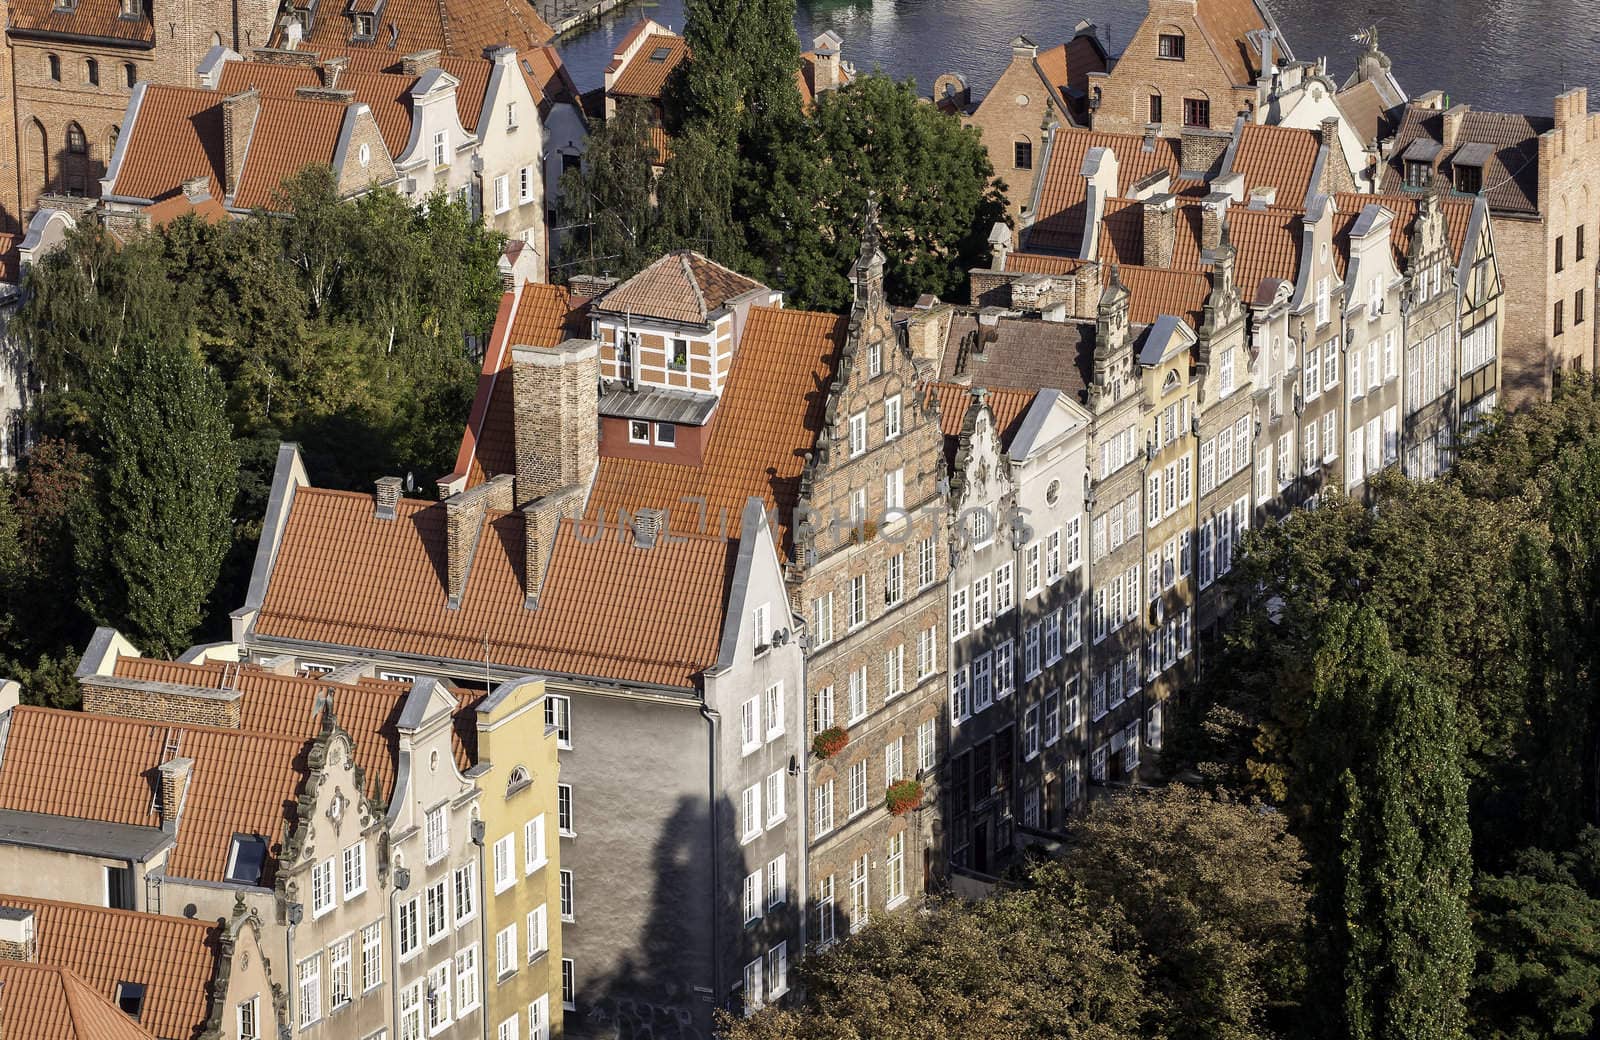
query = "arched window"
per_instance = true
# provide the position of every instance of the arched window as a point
(77, 144)
(1022, 153)
(130, 73)
(55, 67)
(91, 72)
(518, 779)
(111, 139)
(1170, 43)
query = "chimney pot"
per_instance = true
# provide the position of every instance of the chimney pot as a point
(387, 497)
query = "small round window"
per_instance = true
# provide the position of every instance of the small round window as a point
(1022, 101)
(365, 155)
(1052, 492)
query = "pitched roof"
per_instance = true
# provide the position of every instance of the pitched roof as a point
(98, 767)
(1066, 68)
(1280, 156)
(1042, 263)
(388, 95)
(1366, 109)
(1020, 354)
(1457, 215)
(472, 75)
(645, 74)
(681, 286)
(548, 78)
(1225, 24)
(544, 316)
(174, 958)
(457, 28)
(1059, 222)
(44, 1002)
(287, 706)
(1266, 241)
(290, 134)
(176, 135)
(607, 609)
(1008, 405)
(97, 19)
(770, 414)
(272, 78)
(1154, 291)
(1511, 174)
(207, 209)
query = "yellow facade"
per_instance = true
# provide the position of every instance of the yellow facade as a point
(516, 774)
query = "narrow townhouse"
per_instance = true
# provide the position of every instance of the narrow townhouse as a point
(1370, 313)
(176, 977)
(870, 571)
(1016, 438)
(679, 731)
(518, 729)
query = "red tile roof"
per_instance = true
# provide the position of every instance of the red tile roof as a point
(208, 209)
(458, 28)
(545, 316)
(681, 286)
(97, 767)
(607, 609)
(1066, 67)
(770, 415)
(1154, 291)
(646, 77)
(473, 76)
(173, 957)
(388, 95)
(177, 135)
(1457, 215)
(98, 19)
(1059, 223)
(1282, 157)
(43, 1002)
(1225, 24)
(1008, 405)
(1041, 263)
(290, 134)
(273, 79)
(548, 78)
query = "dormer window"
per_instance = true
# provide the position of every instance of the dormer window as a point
(666, 435)
(65, 5)
(246, 859)
(1169, 46)
(130, 998)
(364, 25)
(1469, 179)
(638, 431)
(126, 9)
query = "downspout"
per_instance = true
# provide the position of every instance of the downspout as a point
(803, 808)
(402, 880)
(294, 912)
(714, 728)
(483, 931)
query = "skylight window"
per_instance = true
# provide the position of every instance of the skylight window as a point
(660, 53)
(130, 998)
(246, 859)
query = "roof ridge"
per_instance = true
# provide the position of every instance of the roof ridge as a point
(130, 720)
(9, 898)
(694, 283)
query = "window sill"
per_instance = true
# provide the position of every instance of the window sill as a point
(503, 977)
(528, 871)
(566, 834)
(535, 958)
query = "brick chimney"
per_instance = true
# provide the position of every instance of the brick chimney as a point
(386, 497)
(196, 188)
(589, 286)
(420, 62)
(238, 123)
(1212, 212)
(331, 70)
(1160, 230)
(1451, 124)
(16, 935)
(556, 395)
(174, 785)
(926, 332)
(825, 63)
(1199, 151)
(464, 517)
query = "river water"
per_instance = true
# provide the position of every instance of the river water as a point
(1506, 55)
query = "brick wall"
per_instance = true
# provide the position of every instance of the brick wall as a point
(557, 429)
(1141, 72)
(356, 176)
(161, 702)
(1012, 113)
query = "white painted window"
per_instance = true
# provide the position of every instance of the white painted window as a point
(508, 1029)
(339, 953)
(777, 802)
(750, 725)
(822, 797)
(354, 863)
(569, 984)
(467, 980)
(891, 417)
(894, 490)
(436, 911)
(1030, 650)
(894, 765)
(505, 951)
(750, 814)
(569, 898)
(410, 927)
(441, 154)
(959, 617)
(1004, 670)
(927, 563)
(1225, 382)
(1032, 572)
(465, 890)
(822, 710)
(858, 602)
(778, 881)
(533, 851)
(564, 821)
(772, 709)
(750, 897)
(860, 909)
(1052, 556)
(539, 1019)
(310, 989)
(825, 912)
(502, 193)
(894, 870)
(1030, 733)
(525, 184)
(858, 788)
(858, 695)
(927, 652)
(778, 971)
(538, 932)
(822, 620)
(505, 854)
(437, 833)
(322, 887)
(925, 746)
(753, 974)
(858, 434)
(372, 956)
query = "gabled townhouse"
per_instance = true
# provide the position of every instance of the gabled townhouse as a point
(177, 978)
(1536, 173)
(671, 670)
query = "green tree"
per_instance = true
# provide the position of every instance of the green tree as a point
(165, 482)
(1538, 931)
(931, 178)
(605, 207)
(1388, 838)
(739, 80)
(1030, 964)
(1213, 887)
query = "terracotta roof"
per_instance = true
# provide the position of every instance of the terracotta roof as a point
(1266, 241)
(1511, 175)
(681, 286)
(1366, 110)
(607, 609)
(645, 75)
(1059, 223)
(1225, 23)
(174, 958)
(770, 414)
(388, 95)
(1457, 215)
(1066, 68)
(99, 19)
(290, 134)
(1282, 157)
(207, 209)
(548, 78)
(546, 315)
(286, 706)
(458, 28)
(1041, 263)
(1154, 291)
(43, 1002)
(473, 76)
(273, 79)
(1009, 407)
(1020, 354)
(97, 767)
(177, 135)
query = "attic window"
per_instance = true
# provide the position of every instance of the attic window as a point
(1418, 174)
(518, 779)
(1469, 179)
(660, 54)
(130, 998)
(65, 5)
(1170, 46)
(364, 26)
(246, 859)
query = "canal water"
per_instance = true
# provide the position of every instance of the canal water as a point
(1506, 55)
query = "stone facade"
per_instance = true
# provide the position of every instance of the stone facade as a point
(873, 555)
